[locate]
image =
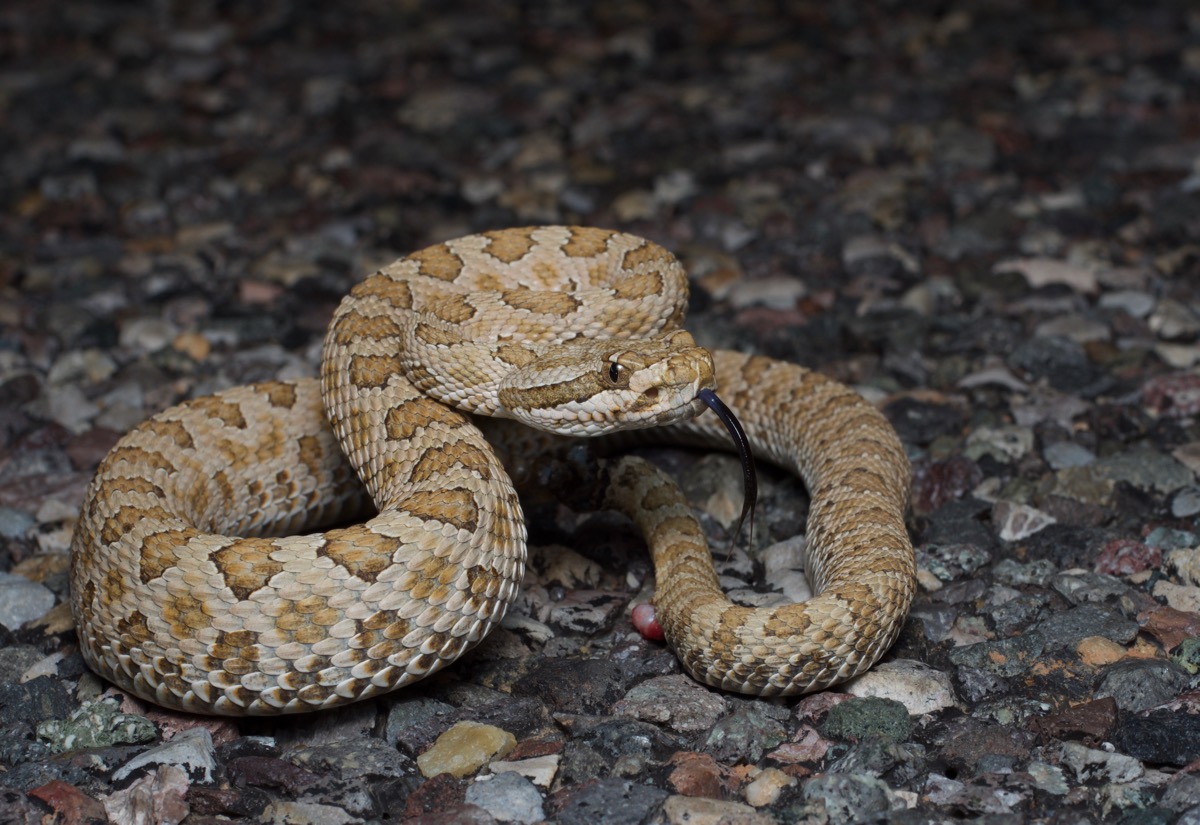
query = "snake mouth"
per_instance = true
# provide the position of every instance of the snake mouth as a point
(745, 453)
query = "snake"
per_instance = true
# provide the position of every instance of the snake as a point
(295, 545)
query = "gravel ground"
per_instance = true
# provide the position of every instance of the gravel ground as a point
(986, 217)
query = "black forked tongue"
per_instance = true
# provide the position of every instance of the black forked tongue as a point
(749, 479)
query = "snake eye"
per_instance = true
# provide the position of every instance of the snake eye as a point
(615, 372)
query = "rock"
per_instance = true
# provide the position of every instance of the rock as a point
(97, 725)
(678, 702)
(1091, 765)
(766, 787)
(696, 774)
(158, 798)
(869, 716)
(464, 749)
(1003, 657)
(508, 797)
(1141, 684)
(919, 688)
(540, 770)
(22, 601)
(683, 810)
(1161, 737)
(608, 802)
(744, 735)
(849, 797)
(191, 750)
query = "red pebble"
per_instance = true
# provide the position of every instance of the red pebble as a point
(646, 622)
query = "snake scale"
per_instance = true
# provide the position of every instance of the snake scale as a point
(195, 585)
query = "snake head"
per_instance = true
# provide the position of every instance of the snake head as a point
(597, 387)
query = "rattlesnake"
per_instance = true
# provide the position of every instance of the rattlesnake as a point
(173, 608)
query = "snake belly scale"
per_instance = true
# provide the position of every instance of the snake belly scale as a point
(195, 585)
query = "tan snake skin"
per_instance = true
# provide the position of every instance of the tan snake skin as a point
(181, 595)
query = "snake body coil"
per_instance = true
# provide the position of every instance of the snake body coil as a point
(184, 593)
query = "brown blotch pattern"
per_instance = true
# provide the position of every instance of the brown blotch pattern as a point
(438, 262)
(437, 336)
(126, 518)
(363, 553)
(510, 245)
(640, 286)
(280, 395)
(516, 355)
(172, 430)
(396, 293)
(438, 462)
(558, 304)
(246, 566)
(160, 551)
(455, 506)
(135, 627)
(403, 422)
(354, 326)
(215, 407)
(185, 614)
(453, 310)
(310, 453)
(647, 254)
(586, 241)
(373, 370)
(143, 460)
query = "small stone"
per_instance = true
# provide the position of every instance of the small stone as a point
(1004, 657)
(146, 334)
(1096, 651)
(1019, 521)
(191, 750)
(465, 748)
(1039, 272)
(869, 716)
(158, 798)
(744, 735)
(1186, 503)
(91, 366)
(611, 801)
(1065, 629)
(849, 797)
(918, 687)
(766, 787)
(1090, 764)
(291, 812)
(1187, 655)
(1124, 557)
(683, 810)
(1161, 737)
(540, 770)
(22, 601)
(1005, 444)
(1133, 302)
(509, 797)
(635, 205)
(96, 725)
(696, 774)
(1062, 454)
(1184, 597)
(774, 293)
(193, 345)
(678, 702)
(1174, 321)
(1141, 684)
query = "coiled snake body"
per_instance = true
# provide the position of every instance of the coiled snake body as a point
(184, 593)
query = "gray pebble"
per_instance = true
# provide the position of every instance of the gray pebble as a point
(22, 600)
(509, 797)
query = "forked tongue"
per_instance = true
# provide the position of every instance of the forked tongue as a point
(749, 479)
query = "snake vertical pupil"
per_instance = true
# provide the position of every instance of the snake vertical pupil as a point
(614, 372)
